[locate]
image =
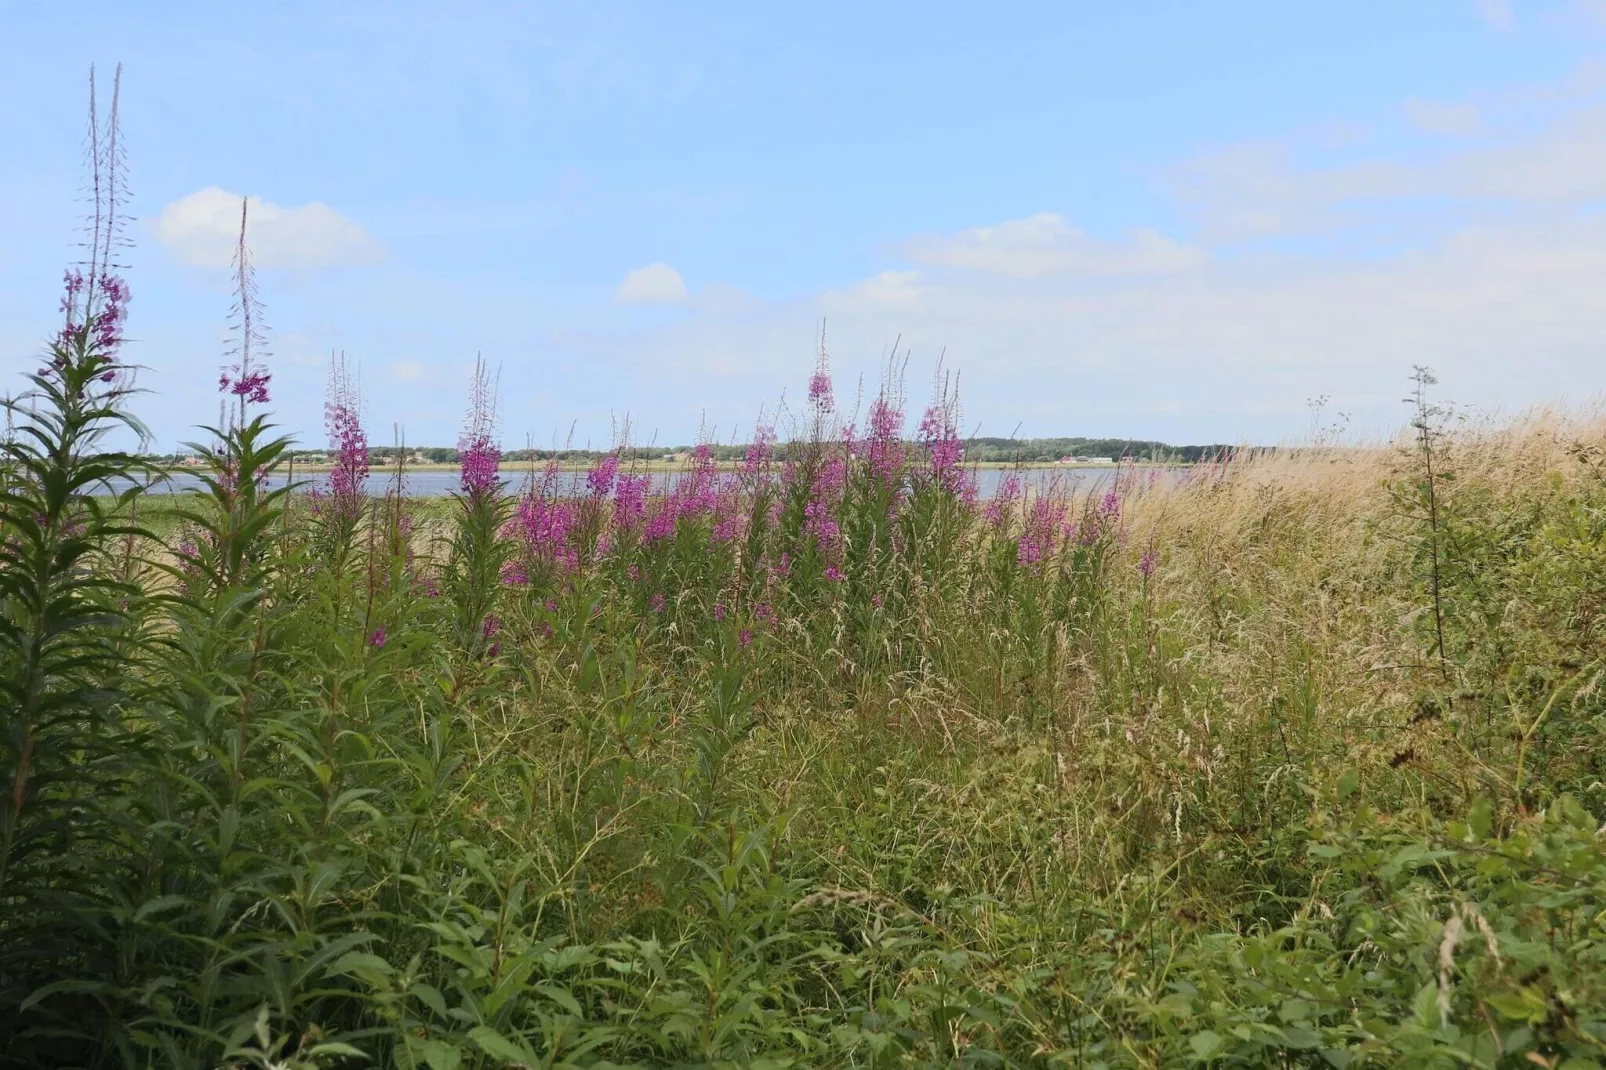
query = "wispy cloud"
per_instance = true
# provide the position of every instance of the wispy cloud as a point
(1045, 244)
(655, 284)
(1508, 314)
(203, 227)
(1253, 190)
(1207, 330)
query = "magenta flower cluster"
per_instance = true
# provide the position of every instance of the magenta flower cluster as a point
(543, 525)
(599, 481)
(96, 303)
(250, 385)
(821, 399)
(883, 444)
(939, 434)
(342, 417)
(1001, 507)
(1042, 525)
(801, 522)
(479, 456)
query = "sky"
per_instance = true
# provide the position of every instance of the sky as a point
(1182, 221)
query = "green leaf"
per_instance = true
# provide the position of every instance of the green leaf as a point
(352, 961)
(429, 996)
(159, 905)
(1520, 1005)
(1425, 1006)
(1206, 1044)
(441, 1055)
(497, 1046)
(562, 998)
(1301, 1037)
(1294, 1010)
(335, 1047)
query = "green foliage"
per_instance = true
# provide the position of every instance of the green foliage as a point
(280, 794)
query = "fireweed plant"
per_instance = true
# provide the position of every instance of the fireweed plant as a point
(64, 617)
(478, 554)
(815, 759)
(342, 503)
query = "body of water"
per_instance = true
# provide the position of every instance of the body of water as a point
(438, 484)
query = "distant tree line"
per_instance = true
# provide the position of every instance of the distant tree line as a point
(1031, 450)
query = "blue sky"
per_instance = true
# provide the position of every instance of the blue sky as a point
(1168, 220)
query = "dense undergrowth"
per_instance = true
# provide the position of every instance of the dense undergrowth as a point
(1294, 761)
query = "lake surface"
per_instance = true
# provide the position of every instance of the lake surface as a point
(429, 484)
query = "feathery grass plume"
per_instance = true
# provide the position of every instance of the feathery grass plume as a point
(246, 378)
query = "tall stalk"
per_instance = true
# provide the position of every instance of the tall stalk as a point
(1422, 421)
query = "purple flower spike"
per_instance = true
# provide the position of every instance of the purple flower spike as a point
(245, 378)
(342, 417)
(820, 395)
(599, 481)
(479, 456)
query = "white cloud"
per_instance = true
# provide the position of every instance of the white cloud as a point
(1507, 314)
(203, 228)
(655, 284)
(1257, 189)
(890, 289)
(1479, 256)
(1045, 244)
(1449, 120)
(1498, 14)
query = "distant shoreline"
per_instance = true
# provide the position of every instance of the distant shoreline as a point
(677, 466)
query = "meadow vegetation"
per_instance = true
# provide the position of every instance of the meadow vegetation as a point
(818, 762)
